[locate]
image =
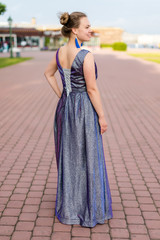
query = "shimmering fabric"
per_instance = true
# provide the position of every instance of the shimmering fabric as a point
(83, 193)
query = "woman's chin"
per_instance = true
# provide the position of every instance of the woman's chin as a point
(87, 39)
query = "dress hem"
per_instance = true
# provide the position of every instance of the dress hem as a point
(83, 223)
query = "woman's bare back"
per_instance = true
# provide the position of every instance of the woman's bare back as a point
(66, 56)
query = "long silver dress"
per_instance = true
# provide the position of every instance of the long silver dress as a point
(83, 194)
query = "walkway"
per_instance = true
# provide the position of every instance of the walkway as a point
(130, 90)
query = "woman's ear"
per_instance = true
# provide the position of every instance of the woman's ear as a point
(74, 31)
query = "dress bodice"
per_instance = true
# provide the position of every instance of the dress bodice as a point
(73, 79)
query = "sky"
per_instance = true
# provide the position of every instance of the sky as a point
(133, 16)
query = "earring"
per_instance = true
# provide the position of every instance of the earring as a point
(77, 44)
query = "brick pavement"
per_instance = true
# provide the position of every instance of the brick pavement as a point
(28, 177)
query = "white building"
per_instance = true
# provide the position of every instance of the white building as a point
(143, 40)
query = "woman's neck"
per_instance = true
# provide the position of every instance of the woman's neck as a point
(71, 42)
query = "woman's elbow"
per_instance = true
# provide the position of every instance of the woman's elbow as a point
(91, 91)
(46, 74)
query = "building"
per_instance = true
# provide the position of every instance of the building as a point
(109, 35)
(141, 40)
(24, 35)
(35, 37)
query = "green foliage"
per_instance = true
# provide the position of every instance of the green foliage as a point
(2, 8)
(4, 62)
(105, 45)
(47, 41)
(153, 57)
(119, 46)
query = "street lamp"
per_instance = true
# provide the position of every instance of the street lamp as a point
(10, 33)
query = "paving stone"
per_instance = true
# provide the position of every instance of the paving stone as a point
(117, 223)
(40, 238)
(154, 234)
(151, 215)
(44, 221)
(141, 229)
(80, 238)
(60, 236)
(152, 224)
(25, 226)
(6, 230)
(100, 236)
(19, 235)
(140, 237)
(42, 231)
(135, 220)
(82, 232)
(100, 228)
(132, 211)
(119, 233)
(61, 227)
(8, 220)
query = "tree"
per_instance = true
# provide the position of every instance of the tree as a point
(2, 8)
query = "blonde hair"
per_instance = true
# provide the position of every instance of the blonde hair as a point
(70, 21)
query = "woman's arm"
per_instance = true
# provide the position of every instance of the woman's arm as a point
(92, 89)
(49, 74)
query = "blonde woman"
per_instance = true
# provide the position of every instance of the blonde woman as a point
(83, 193)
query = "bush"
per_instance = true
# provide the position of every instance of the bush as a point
(119, 46)
(104, 45)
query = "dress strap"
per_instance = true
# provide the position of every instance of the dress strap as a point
(57, 60)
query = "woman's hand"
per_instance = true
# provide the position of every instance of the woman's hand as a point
(103, 124)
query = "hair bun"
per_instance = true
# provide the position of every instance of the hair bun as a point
(64, 18)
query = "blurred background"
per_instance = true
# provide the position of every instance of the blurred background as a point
(34, 25)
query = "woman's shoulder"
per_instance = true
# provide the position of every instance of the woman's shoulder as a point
(88, 55)
(86, 50)
(61, 48)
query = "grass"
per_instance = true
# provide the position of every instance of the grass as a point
(4, 62)
(153, 57)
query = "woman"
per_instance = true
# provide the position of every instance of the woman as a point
(83, 193)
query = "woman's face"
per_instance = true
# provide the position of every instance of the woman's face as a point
(84, 30)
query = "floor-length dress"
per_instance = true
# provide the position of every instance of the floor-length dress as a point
(83, 193)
